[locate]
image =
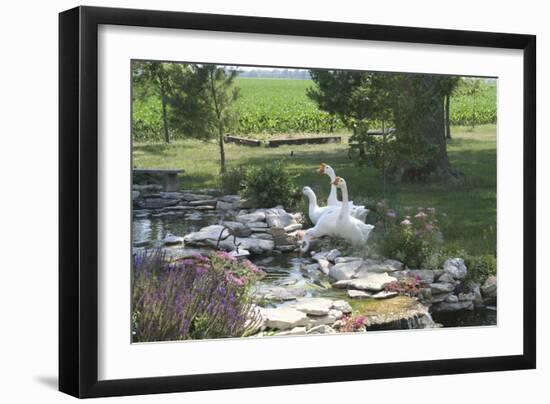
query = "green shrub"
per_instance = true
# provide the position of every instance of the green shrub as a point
(480, 267)
(232, 180)
(270, 185)
(412, 239)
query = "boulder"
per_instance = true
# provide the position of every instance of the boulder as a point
(441, 287)
(384, 295)
(439, 297)
(170, 239)
(425, 276)
(446, 306)
(372, 282)
(278, 217)
(221, 205)
(341, 260)
(452, 299)
(328, 319)
(489, 288)
(156, 203)
(240, 229)
(463, 297)
(283, 318)
(456, 268)
(233, 199)
(361, 294)
(328, 255)
(324, 265)
(344, 270)
(446, 277)
(262, 225)
(256, 216)
(280, 293)
(341, 305)
(202, 202)
(292, 227)
(195, 197)
(294, 331)
(321, 329)
(315, 306)
(375, 266)
(208, 236)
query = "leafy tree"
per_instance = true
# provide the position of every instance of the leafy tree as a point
(205, 101)
(413, 103)
(158, 78)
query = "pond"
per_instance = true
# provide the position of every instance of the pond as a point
(287, 274)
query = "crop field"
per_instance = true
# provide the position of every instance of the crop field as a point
(271, 106)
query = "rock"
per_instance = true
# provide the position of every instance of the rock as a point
(194, 216)
(400, 312)
(358, 294)
(437, 273)
(324, 265)
(489, 288)
(256, 216)
(292, 227)
(451, 299)
(287, 248)
(142, 243)
(328, 255)
(375, 266)
(233, 199)
(135, 195)
(283, 318)
(280, 293)
(456, 268)
(262, 225)
(384, 295)
(321, 329)
(204, 207)
(439, 297)
(341, 260)
(344, 270)
(212, 202)
(342, 305)
(209, 236)
(310, 268)
(372, 282)
(476, 290)
(463, 297)
(240, 229)
(441, 287)
(446, 307)
(425, 276)
(170, 239)
(278, 217)
(156, 203)
(263, 236)
(195, 197)
(315, 306)
(294, 331)
(329, 319)
(446, 277)
(221, 205)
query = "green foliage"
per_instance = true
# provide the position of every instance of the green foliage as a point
(280, 106)
(232, 180)
(411, 238)
(474, 103)
(270, 185)
(480, 267)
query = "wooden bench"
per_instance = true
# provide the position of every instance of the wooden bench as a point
(171, 182)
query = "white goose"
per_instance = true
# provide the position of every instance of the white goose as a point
(315, 211)
(339, 223)
(357, 211)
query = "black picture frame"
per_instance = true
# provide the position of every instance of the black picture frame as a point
(78, 196)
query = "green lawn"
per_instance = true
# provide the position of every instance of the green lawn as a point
(471, 207)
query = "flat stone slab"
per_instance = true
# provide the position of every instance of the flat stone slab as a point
(372, 282)
(283, 318)
(316, 306)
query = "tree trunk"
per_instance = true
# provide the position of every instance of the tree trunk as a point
(447, 117)
(165, 118)
(222, 150)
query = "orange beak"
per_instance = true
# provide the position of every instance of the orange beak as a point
(322, 168)
(336, 181)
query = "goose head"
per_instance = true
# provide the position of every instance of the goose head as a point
(339, 182)
(328, 170)
(307, 191)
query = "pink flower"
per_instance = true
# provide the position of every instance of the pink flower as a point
(421, 215)
(406, 222)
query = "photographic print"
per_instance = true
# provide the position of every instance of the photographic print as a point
(272, 202)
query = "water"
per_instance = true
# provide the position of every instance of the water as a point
(286, 270)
